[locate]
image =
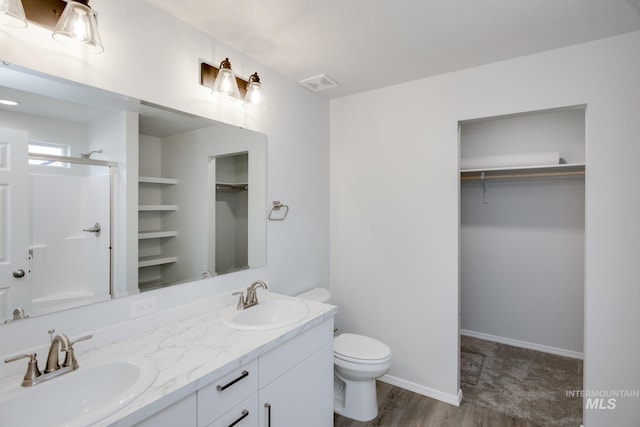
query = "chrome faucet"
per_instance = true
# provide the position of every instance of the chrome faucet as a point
(53, 369)
(252, 298)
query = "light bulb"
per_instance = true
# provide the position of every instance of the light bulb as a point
(77, 27)
(225, 82)
(254, 95)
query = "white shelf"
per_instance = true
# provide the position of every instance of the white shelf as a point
(524, 172)
(231, 183)
(560, 167)
(157, 207)
(156, 234)
(153, 260)
(157, 180)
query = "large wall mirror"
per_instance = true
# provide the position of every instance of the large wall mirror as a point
(82, 170)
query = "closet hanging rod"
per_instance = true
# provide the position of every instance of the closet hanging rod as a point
(486, 176)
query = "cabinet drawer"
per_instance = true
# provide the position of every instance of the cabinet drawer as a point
(284, 357)
(226, 392)
(243, 415)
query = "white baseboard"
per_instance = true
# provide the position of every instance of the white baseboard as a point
(451, 399)
(523, 344)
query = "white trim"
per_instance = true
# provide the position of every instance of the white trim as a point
(451, 399)
(523, 344)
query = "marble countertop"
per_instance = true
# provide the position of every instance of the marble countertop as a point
(192, 353)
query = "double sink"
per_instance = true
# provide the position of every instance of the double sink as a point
(93, 392)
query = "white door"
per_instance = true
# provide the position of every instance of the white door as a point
(15, 288)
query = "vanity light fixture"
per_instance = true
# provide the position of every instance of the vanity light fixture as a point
(12, 14)
(226, 81)
(254, 95)
(223, 80)
(73, 22)
(78, 27)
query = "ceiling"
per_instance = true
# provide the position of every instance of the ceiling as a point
(368, 44)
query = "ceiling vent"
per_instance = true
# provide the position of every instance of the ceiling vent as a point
(318, 83)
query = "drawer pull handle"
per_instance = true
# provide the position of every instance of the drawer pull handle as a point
(244, 415)
(244, 374)
(268, 406)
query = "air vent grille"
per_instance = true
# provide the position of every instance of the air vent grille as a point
(318, 83)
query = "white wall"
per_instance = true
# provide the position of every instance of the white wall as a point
(395, 210)
(522, 263)
(157, 59)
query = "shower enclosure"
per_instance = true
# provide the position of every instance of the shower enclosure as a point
(69, 248)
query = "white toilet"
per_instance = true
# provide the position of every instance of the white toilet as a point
(358, 360)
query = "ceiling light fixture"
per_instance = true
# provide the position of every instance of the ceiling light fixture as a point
(12, 14)
(73, 22)
(223, 80)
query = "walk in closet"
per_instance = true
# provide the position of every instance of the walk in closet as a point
(522, 229)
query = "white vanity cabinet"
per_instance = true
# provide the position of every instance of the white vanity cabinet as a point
(302, 396)
(289, 386)
(296, 381)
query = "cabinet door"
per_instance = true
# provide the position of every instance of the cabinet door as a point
(181, 413)
(302, 396)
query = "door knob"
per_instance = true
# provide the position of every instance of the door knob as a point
(95, 229)
(19, 273)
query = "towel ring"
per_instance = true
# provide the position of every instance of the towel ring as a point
(277, 205)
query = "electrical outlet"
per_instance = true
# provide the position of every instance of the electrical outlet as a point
(144, 307)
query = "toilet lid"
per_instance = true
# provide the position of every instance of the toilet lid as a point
(354, 346)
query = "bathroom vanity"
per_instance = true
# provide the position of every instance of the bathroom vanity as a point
(214, 374)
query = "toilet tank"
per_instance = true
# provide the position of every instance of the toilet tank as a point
(316, 294)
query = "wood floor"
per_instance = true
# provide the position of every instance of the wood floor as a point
(401, 408)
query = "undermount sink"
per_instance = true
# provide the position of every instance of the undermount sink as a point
(79, 398)
(270, 314)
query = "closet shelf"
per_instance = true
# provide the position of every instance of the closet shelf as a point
(226, 186)
(522, 172)
(157, 180)
(156, 234)
(150, 261)
(157, 207)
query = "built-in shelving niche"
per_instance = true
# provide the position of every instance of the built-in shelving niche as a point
(155, 249)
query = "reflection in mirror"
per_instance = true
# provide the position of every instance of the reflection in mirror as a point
(182, 236)
(230, 184)
(41, 261)
(70, 233)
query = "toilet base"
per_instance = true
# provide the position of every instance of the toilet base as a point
(355, 399)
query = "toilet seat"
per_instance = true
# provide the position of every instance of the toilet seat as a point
(356, 348)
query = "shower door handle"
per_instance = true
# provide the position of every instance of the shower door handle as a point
(95, 229)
